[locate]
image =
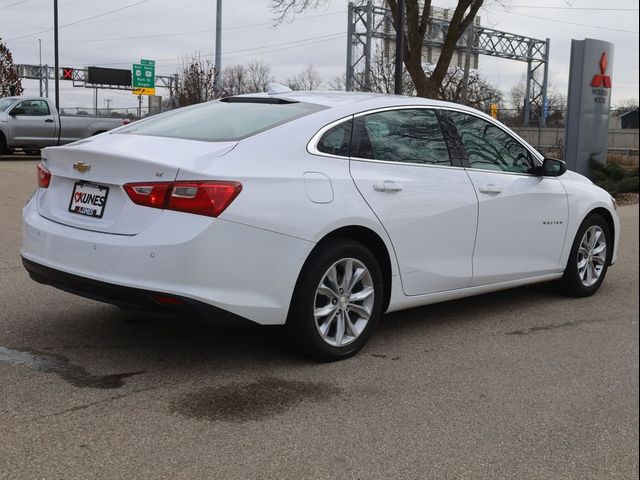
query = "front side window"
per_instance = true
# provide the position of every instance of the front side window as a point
(34, 108)
(405, 135)
(336, 140)
(488, 147)
(6, 103)
(222, 121)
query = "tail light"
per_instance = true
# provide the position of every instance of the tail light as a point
(209, 198)
(44, 176)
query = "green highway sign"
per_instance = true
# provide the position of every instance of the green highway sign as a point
(144, 76)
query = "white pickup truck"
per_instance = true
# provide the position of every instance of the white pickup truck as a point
(32, 123)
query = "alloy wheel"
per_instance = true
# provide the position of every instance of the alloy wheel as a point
(592, 255)
(343, 302)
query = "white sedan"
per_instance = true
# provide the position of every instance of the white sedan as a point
(316, 210)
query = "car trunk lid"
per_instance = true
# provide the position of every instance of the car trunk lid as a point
(94, 171)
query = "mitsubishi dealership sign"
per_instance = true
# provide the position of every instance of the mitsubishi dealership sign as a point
(589, 99)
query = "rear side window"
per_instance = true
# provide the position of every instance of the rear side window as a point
(336, 140)
(404, 136)
(222, 121)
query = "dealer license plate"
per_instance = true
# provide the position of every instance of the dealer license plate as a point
(88, 199)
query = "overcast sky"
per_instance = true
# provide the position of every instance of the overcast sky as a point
(118, 33)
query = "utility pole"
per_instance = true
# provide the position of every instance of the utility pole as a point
(218, 65)
(40, 74)
(399, 47)
(56, 68)
(108, 102)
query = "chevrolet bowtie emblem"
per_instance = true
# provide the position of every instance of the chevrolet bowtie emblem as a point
(81, 167)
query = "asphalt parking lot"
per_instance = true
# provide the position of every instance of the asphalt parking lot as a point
(520, 384)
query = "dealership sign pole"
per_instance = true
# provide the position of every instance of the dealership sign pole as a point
(588, 104)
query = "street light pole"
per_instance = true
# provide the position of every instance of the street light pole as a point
(55, 53)
(218, 65)
(399, 47)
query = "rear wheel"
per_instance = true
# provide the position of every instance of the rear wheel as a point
(589, 258)
(337, 302)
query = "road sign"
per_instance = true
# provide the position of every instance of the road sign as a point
(144, 77)
(493, 110)
(144, 91)
(545, 108)
(67, 73)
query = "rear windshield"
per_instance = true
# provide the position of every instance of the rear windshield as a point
(221, 121)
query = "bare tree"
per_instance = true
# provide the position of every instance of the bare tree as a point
(195, 82)
(516, 97)
(258, 76)
(234, 80)
(480, 93)
(308, 79)
(556, 103)
(626, 105)
(285, 9)
(10, 83)
(382, 74)
(338, 83)
(418, 14)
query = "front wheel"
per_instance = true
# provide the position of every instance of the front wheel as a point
(3, 146)
(337, 301)
(589, 258)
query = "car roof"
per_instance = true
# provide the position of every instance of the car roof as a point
(332, 99)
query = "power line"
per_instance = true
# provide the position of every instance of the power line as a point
(290, 44)
(597, 9)
(158, 35)
(251, 51)
(13, 4)
(566, 22)
(233, 27)
(127, 17)
(44, 5)
(84, 19)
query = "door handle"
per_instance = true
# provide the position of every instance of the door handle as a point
(387, 186)
(48, 120)
(490, 189)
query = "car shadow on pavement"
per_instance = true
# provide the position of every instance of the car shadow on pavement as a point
(137, 338)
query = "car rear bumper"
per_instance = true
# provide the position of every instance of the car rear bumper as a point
(246, 271)
(126, 297)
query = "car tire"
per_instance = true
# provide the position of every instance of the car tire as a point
(339, 285)
(589, 258)
(3, 146)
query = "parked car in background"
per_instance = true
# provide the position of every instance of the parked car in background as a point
(318, 210)
(32, 123)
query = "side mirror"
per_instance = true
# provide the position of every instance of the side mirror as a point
(552, 167)
(17, 111)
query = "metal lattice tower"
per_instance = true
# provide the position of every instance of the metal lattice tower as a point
(369, 22)
(80, 75)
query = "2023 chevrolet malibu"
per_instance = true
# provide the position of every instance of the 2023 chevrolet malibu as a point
(316, 210)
